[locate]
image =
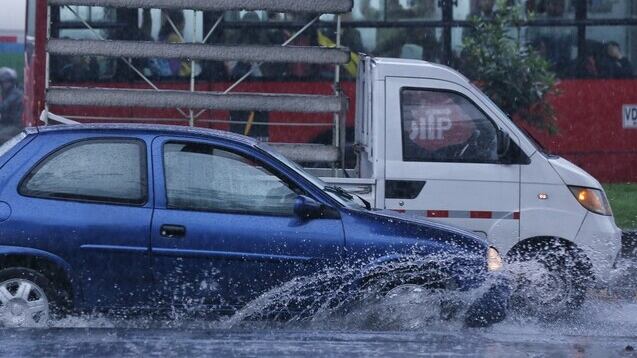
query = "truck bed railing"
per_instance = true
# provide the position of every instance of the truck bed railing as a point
(75, 96)
(192, 104)
(311, 6)
(244, 53)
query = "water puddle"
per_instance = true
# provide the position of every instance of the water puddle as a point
(325, 301)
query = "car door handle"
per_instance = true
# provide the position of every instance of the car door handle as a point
(172, 231)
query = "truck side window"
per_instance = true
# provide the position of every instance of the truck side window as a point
(201, 177)
(441, 126)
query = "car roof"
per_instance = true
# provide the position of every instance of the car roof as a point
(159, 129)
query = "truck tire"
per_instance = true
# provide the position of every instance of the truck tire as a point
(550, 282)
(27, 298)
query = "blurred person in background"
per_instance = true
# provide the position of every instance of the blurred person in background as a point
(556, 44)
(350, 38)
(275, 37)
(613, 63)
(247, 36)
(483, 9)
(404, 42)
(253, 123)
(11, 106)
(171, 68)
(138, 33)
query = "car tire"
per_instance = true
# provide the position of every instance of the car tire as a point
(549, 283)
(382, 285)
(27, 298)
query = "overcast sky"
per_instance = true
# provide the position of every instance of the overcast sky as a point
(12, 14)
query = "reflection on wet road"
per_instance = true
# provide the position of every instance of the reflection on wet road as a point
(603, 329)
(407, 324)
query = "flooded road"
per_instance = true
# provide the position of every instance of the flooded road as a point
(406, 324)
(605, 328)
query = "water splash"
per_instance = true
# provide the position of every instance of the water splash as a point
(407, 294)
(327, 300)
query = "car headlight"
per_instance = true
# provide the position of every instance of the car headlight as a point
(592, 199)
(494, 260)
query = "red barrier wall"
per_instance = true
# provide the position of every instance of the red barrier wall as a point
(591, 133)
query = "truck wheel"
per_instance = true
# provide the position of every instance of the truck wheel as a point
(550, 282)
(27, 298)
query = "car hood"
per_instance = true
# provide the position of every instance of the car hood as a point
(400, 226)
(571, 174)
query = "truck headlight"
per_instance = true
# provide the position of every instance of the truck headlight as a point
(592, 199)
(494, 260)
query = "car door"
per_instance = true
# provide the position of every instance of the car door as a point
(223, 229)
(443, 161)
(86, 200)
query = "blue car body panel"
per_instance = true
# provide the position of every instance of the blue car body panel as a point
(230, 255)
(108, 246)
(115, 256)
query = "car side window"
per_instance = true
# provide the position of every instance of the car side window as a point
(203, 177)
(99, 170)
(441, 126)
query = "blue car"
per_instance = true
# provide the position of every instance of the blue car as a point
(103, 217)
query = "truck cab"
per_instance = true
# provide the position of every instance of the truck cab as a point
(431, 144)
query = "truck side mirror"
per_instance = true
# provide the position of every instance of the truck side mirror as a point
(307, 208)
(504, 144)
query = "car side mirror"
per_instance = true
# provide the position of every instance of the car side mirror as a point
(504, 144)
(307, 208)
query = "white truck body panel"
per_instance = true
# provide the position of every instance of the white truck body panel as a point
(506, 203)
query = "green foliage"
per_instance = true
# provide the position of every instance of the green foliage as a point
(516, 77)
(623, 201)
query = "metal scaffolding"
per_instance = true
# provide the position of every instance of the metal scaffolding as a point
(188, 101)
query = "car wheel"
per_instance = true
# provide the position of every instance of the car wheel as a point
(26, 298)
(405, 286)
(549, 283)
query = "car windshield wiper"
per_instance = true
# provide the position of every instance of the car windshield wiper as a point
(339, 191)
(347, 195)
(368, 205)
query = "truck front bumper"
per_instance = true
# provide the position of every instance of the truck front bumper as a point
(600, 239)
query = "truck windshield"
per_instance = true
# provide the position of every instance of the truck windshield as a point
(538, 146)
(337, 193)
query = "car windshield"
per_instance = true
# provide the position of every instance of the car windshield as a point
(337, 193)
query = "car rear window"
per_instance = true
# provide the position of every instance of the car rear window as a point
(101, 170)
(6, 146)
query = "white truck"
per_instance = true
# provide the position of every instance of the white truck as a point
(430, 144)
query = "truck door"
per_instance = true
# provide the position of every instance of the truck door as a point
(443, 162)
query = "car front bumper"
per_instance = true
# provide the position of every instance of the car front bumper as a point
(490, 307)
